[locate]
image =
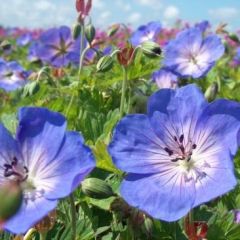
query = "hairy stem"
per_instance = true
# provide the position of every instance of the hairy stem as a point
(74, 216)
(124, 88)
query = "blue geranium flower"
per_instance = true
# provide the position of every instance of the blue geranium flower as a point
(58, 48)
(165, 79)
(24, 39)
(203, 26)
(192, 55)
(144, 33)
(48, 162)
(12, 76)
(179, 155)
(236, 58)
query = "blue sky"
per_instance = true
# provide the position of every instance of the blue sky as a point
(47, 13)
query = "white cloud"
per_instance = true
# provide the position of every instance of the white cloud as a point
(98, 4)
(125, 7)
(171, 13)
(41, 13)
(224, 13)
(155, 4)
(134, 17)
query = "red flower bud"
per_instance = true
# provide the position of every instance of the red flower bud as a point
(125, 56)
(80, 5)
(88, 7)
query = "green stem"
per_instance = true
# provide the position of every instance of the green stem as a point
(81, 51)
(191, 217)
(124, 87)
(70, 104)
(74, 217)
(81, 63)
(43, 235)
(29, 234)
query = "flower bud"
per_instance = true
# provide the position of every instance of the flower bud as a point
(11, 199)
(113, 29)
(90, 33)
(5, 45)
(96, 188)
(234, 38)
(125, 56)
(120, 206)
(211, 92)
(104, 64)
(31, 88)
(151, 49)
(76, 30)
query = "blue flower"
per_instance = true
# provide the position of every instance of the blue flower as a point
(179, 155)
(33, 52)
(147, 32)
(192, 55)
(46, 160)
(12, 76)
(236, 58)
(58, 48)
(165, 79)
(203, 26)
(24, 39)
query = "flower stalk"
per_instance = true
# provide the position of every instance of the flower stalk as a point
(124, 88)
(74, 217)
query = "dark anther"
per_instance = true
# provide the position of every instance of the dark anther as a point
(169, 151)
(7, 166)
(8, 173)
(176, 159)
(194, 146)
(182, 149)
(175, 138)
(181, 138)
(25, 168)
(14, 162)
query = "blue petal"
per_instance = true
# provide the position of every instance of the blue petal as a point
(159, 101)
(29, 214)
(223, 106)
(51, 37)
(8, 149)
(135, 147)
(163, 196)
(214, 46)
(222, 128)
(182, 102)
(71, 165)
(40, 134)
(65, 34)
(219, 178)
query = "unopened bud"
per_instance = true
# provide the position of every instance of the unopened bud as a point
(5, 45)
(11, 199)
(125, 56)
(113, 29)
(104, 64)
(211, 92)
(76, 30)
(90, 33)
(31, 88)
(96, 188)
(151, 49)
(234, 38)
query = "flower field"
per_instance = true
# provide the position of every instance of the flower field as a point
(120, 133)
